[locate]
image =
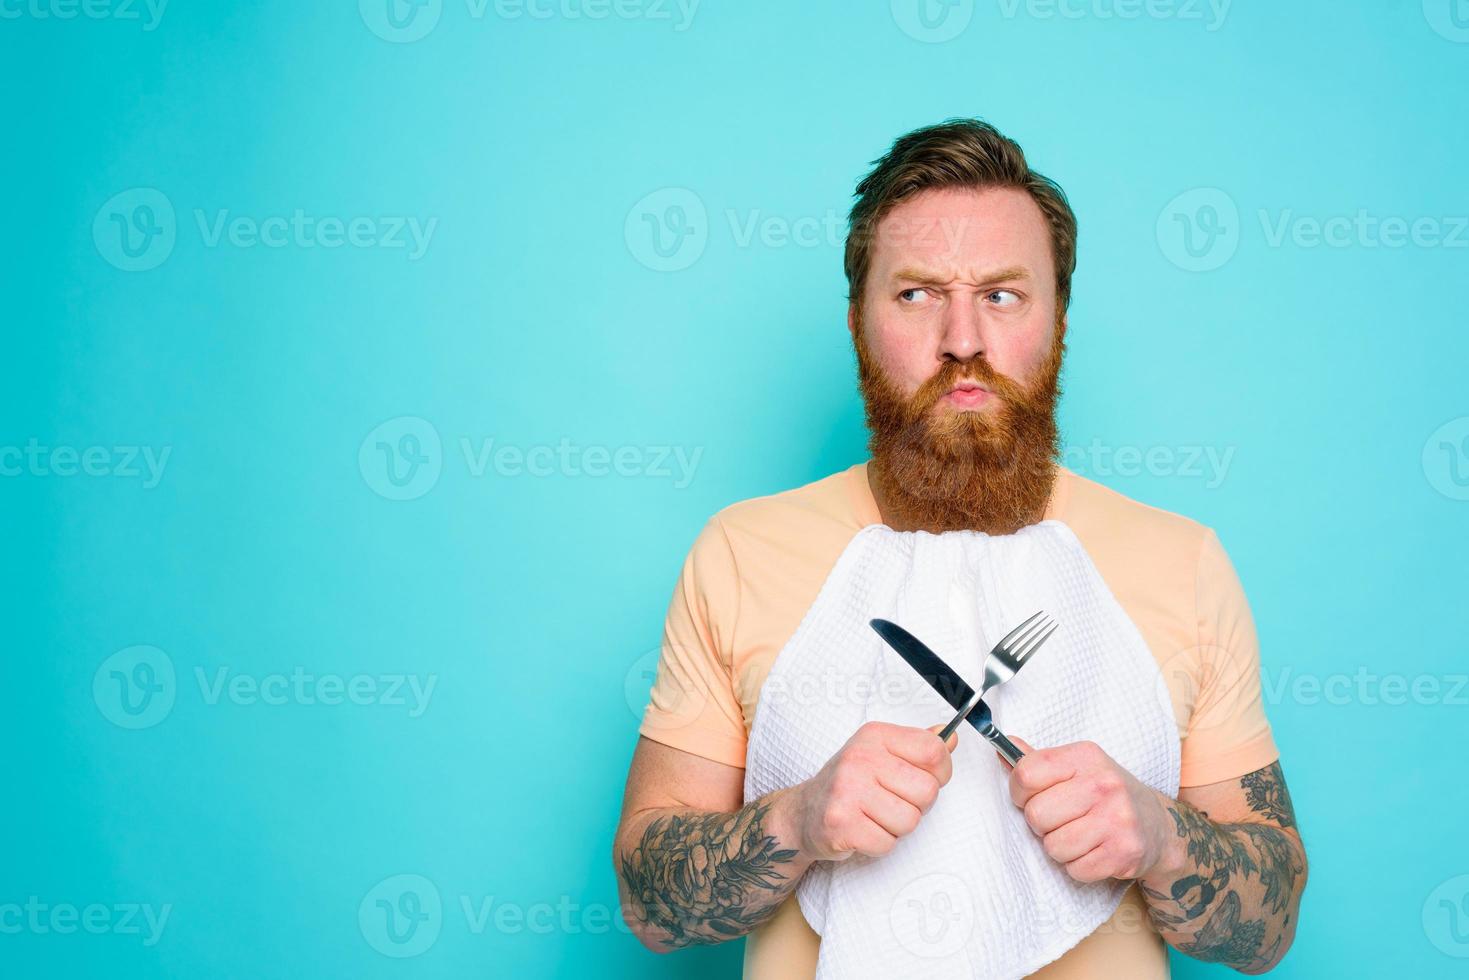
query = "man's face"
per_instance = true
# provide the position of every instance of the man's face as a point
(959, 346)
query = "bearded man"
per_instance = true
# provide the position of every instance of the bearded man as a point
(959, 260)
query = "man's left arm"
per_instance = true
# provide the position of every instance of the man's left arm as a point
(1222, 868)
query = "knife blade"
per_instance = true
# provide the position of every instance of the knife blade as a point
(929, 665)
(947, 682)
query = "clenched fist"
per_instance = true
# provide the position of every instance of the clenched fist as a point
(873, 791)
(1092, 815)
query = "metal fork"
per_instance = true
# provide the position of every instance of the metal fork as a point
(1007, 657)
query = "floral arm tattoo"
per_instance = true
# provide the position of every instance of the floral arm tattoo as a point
(699, 877)
(1236, 903)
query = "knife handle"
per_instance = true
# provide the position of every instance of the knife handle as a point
(1003, 745)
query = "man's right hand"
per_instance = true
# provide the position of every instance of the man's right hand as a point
(873, 791)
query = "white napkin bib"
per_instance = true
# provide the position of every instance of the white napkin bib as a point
(971, 892)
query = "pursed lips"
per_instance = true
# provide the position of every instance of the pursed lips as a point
(968, 394)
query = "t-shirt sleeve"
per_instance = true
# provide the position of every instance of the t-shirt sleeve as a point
(692, 705)
(1228, 734)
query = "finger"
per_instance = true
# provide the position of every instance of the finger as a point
(1091, 866)
(891, 812)
(1021, 744)
(1058, 805)
(918, 746)
(1074, 840)
(952, 742)
(1039, 769)
(871, 839)
(918, 786)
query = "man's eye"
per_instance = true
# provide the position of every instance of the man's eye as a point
(1014, 297)
(905, 295)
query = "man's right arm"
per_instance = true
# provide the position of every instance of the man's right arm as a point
(693, 865)
(696, 867)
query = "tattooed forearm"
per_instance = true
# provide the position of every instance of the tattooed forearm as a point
(1241, 887)
(698, 877)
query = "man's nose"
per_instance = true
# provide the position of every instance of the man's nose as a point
(963, 332)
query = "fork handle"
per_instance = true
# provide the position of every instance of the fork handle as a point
(953, 724)
(1003, 745)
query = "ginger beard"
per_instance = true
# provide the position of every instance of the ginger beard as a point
(941, 469)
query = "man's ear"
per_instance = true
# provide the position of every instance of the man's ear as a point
(852, 320)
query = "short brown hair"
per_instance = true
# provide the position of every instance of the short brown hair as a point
(954, 153)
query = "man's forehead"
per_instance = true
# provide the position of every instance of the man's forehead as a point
(952, 232)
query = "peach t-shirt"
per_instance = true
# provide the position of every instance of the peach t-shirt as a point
(757, 566)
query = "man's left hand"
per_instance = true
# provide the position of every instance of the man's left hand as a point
(1092, 815)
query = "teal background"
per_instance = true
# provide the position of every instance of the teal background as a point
(1335, 375)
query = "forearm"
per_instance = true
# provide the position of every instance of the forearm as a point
(691, 877)
(1227, 892)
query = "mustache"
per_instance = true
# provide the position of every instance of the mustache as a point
(976, 369)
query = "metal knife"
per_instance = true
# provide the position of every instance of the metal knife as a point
(947, 682)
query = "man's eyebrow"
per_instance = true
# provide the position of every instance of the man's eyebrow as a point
(927, 277)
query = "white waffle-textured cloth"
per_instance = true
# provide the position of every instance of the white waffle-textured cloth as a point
(971, 892)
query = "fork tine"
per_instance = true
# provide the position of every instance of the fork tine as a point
(1012, 634)
(1035, 644)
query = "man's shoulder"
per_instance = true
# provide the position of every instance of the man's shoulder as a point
(810, 522)
(1107, 515)
(826, 499)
